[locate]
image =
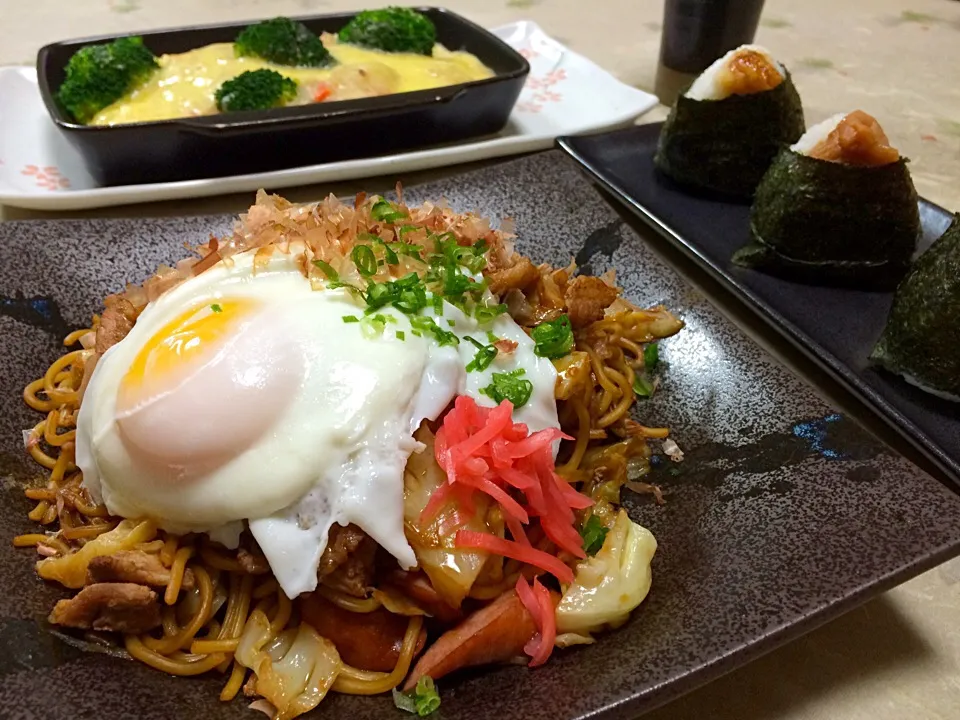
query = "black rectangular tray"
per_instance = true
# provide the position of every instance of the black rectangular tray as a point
(251, 142)
(836, 328)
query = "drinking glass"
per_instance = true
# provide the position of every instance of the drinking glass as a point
(697, 32)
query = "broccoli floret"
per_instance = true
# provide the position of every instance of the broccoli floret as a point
(393, 29)
(255, 90)
(284, 42)
(99, 75)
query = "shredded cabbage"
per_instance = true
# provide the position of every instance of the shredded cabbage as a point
(452, 571)
(396, 602)
(609, 585)
(565, 640)
(294, 670)
(71, 570)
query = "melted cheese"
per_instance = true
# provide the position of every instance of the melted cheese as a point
(185, 84)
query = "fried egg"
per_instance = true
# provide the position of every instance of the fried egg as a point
(243, 396)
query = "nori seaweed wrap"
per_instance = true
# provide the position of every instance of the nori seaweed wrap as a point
(834, 222)
(724, 145)
(922, 336)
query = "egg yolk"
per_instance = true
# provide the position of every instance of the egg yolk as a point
(182, 342)
(206, 386)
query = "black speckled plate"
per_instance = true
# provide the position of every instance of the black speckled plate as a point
(783, 515)
(837, 328)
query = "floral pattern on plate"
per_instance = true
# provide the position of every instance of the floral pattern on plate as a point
(47, 177)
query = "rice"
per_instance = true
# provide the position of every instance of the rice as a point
(916, 382)
(817, 134)
(708, 85)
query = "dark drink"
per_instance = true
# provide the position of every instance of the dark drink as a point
(697, 32)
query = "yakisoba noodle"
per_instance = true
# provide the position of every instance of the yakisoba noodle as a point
(207, 621)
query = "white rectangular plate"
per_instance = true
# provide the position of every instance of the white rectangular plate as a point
(566, 94)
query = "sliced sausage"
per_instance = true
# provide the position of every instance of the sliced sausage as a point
(495, 633)
(369, 641)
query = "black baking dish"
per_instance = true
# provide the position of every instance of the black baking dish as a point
(249, 142)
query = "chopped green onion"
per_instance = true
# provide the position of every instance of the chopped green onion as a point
(216, 308)
(651, 356)
(487, 313)
(364, 259)
(372, 327)
(404, 701)
(401, 335)
(385, 212)
(406, 294)
(414, 251)
(350, 319)
(455, 283)
(334, 277)
(593, 532)
(492, 338)
(449, 252)
(474, 263)
(380, 294)
(509, 386)
(389, 254)
(421, 701)
(450, 276)
(445, 275)
(441, 241)
(428, 325)
(486, 354)
(328, 270)
(411, 294)
(553, 338)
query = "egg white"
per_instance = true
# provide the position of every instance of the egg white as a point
(334, 451)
